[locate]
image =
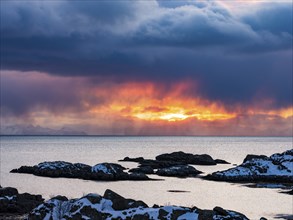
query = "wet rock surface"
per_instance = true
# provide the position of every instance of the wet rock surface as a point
(17, 203)
(278, 168)
(102, 171)
(113, 206)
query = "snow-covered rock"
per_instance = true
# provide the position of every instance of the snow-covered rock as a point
(102, 171)
(114, 206)
(276, 168)
(107, 168)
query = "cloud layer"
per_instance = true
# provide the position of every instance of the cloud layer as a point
(237, 57)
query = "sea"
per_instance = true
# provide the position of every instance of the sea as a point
(17, 151)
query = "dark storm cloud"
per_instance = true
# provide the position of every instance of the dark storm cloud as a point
(30, 95)
(26, 93)
(233, 57)
(276, 20)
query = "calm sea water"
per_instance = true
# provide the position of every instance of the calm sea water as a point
(253, 202)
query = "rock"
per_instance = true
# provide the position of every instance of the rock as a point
(156, 164)
(8, 191)
(24, 169)
(136, 159)
(187, 158)
(259, 168)
(206, 215)
(141, 217)
(108, 168)
(120, 203)
(179, 214)
(162, 214)
(203, 159)
(219, 161)
(252, 156)
(220, 211)
(114, 206)
(137, 204)
(91, 213)
(61, 198)
(178, 171)
(101, 171)
(137, 176)
(163, 162)
(289, 192)
(13, 202)
(145, 170)
(178, 191)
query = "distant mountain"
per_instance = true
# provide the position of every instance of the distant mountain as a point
(37, 130)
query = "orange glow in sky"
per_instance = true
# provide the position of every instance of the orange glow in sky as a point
(148, 102)
(175, 113)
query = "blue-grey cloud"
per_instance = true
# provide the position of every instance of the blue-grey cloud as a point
(234, 57)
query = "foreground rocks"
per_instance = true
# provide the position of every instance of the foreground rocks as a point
(102, 171)
(278, 168)
(13, 202)
(113, 206)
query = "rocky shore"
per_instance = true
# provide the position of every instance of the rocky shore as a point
(176, 158)
(176, 164)
(278, 168)
(101, 172)
(113, 206)
(255, 169)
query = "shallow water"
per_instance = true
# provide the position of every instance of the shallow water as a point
(253, 202)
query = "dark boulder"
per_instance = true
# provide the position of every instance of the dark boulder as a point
(144, 169)
(219, 161)
(187, 158)
(61, 198)
(91, 213)
(220, 211)
(144, 216)
(8, 191)
(136, 159)
(120, 203)
(205, 215)
(137, 176)
(178, 171)
(250, 157)
(156, 164)
(13, 202)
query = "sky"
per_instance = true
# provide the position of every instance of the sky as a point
(152, 67)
